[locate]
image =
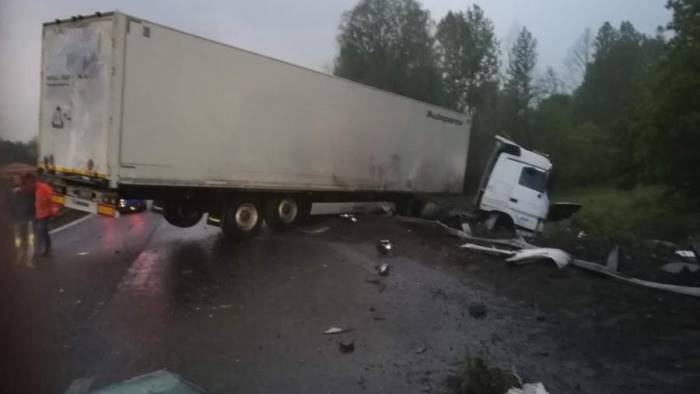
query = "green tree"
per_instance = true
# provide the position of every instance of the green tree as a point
(519, 89)
(467, 57)
(387, 44)
(669, 138)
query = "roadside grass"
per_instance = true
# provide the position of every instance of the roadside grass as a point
(648, 212)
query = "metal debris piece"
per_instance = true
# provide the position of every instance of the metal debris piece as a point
(317, 230)
(383, 269)
(477, 311)
(488, 249)
(529, 388)
(613, 258)
(349, 217)
(678, 267)
(687, 254)
(346, 346)
(560, 257)
(336, 330)
(466, 228)
(384, 247)
(687, 290)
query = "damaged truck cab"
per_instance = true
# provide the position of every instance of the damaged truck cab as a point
(514, 185)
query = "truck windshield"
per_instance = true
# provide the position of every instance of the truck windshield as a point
(534, 179)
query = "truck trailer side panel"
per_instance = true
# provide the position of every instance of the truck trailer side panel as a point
(200, 113)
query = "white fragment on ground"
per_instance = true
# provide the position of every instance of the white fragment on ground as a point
(529, 388)
(689, 254)
(613, 259)
(558, 256)
(336, 330)
(675, 268)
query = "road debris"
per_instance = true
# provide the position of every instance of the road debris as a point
(421, 350)
(317, 230)
(529, 388)
(384, 247)
(222, 306)
(346, 346)
(383, 269)
(477, 311)
(558, 256)
(678, 267)
(688, 254)
(349, 217)
(562, 258)
(336, 330)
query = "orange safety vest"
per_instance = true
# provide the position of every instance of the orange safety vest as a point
(42, 200)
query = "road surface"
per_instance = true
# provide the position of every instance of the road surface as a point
(124, 297)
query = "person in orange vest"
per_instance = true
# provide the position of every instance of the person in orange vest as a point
(42, 213)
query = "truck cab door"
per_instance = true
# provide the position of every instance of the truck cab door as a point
(529, 197)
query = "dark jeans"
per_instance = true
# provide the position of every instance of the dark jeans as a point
(43, 238)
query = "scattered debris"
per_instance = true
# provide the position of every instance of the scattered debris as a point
(384, 247)
(383, 269)
(349, 217)
(677, 268)
(317, 230)
(336, 330)
(688, 254)
(346, 346)
(159, 382)
(477, 311)
(613, 258)
(529, 388)
(560, 258)
(466, 228)
(488, 249)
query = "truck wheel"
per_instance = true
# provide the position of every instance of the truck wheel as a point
(182, 213)
(242, 219)
(283, 212)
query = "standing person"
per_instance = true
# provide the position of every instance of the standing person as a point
(23, 213)
(42, 213)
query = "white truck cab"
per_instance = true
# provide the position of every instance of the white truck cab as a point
(515, 184)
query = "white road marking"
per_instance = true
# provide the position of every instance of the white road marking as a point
(71, 224)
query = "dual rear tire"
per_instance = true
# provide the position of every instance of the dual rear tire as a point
(243, 218)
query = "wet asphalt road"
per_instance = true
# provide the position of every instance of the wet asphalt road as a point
(125, 297)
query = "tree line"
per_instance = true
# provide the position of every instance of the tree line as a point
(627, 112)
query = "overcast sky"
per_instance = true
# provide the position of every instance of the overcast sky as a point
(298, 31)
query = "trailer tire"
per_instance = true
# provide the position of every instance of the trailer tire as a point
(242, 219)
(285, 211)
(182, 213)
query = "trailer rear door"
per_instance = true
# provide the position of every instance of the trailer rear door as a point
(75, 97)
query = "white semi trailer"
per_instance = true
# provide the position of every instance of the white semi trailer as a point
(134, 109)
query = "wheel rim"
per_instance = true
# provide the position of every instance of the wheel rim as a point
(287, 210)
(246, 216)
